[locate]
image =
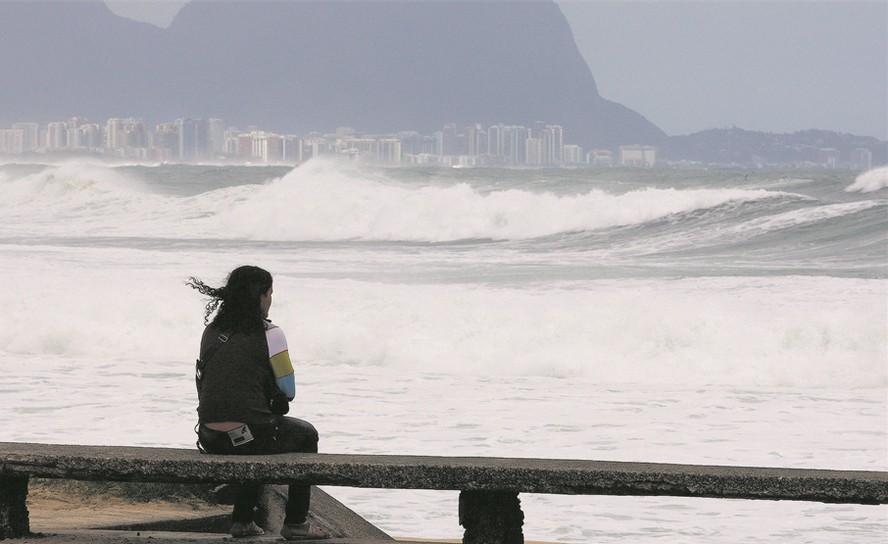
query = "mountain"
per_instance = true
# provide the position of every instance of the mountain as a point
(376, 66)
(64, 59)
(745, 147)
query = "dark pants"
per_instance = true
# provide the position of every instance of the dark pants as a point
(284, 435)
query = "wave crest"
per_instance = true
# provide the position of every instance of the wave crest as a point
(870, 181)
(72, 186)
(324, 202)
(327, 200)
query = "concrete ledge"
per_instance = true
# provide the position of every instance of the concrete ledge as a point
(451, 473)
(99, 536)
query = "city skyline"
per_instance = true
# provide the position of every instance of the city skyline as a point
(187, 140)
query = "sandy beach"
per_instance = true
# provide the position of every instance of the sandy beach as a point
(54, 507)
(73, 514)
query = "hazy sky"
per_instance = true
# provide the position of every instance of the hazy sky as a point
(775, 66)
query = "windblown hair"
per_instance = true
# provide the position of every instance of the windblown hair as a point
(238, 301)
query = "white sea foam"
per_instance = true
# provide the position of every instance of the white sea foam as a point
(729, 332)
(820, 333)
(69, 185)
(324, 201)
(870, 181)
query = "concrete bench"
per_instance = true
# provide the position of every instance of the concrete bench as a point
(489, 509)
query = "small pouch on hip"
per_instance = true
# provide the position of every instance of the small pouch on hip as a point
(240, 436)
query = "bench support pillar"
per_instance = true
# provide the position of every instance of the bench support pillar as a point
(491, 517)
(14, 522)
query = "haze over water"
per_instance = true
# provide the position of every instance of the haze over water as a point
(633, 315)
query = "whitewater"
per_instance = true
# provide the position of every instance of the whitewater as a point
(712, 317)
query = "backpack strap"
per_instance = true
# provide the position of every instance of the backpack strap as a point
(200, 365)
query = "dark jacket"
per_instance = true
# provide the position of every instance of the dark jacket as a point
(236, 378)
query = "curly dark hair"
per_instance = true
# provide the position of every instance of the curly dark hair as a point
(237, 301)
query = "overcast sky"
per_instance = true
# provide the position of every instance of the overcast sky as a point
(774, 66)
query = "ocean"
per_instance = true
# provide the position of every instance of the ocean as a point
(687, 316)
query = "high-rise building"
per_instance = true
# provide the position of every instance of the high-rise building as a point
(291, 150)
(56, 136)
(193, 139)
(244, 147)
(533, 151)
(30, 135)
(231, 142)
(165, 142)
(76, 122)
(135, 134)
(496, 141)
(258, 145)
(638, 155)
(389, 150)
(828, 157)
(12, 141)
(600, 157)
(187, 138)
(275, 148)
(86, 137)
(552, 137)
(113, 133)
(315, 146)
(862, 158)
(476, 140)
(448, 141)
(572, 154)
(515, 138)
(126, 137)
(216, 137)
(411, 142)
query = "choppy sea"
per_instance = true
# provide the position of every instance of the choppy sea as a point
(711, 317)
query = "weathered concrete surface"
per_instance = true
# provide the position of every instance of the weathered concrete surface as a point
(453, 473)
(91, 536)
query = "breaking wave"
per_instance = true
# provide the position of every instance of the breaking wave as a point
(870, 181)
(326, 201)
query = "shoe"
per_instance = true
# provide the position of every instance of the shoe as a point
(241, 529)
(303, 531)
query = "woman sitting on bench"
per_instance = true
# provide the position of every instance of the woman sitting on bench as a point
(244, 382)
